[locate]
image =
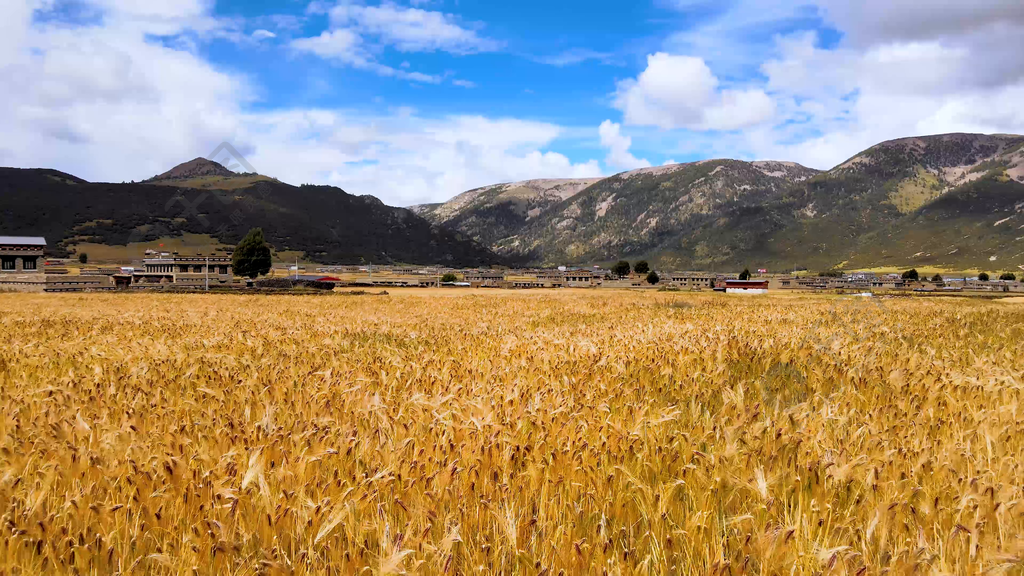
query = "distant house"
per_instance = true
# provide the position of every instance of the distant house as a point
(183, 271)
(746, 286)
(21, 254)
(691, 280)
(484, 278)
(579, 278)
(20, 259)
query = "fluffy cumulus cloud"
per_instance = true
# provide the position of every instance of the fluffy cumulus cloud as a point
(100, 99)
(873, 22)
(899, 69)
(359, 33)
(104, 102)
(619, 156)
(402, 158)
(681, 92)
(946, 71)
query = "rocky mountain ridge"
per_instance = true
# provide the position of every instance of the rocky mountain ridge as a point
(889, 205)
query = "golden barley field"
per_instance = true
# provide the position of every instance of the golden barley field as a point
(510, 433)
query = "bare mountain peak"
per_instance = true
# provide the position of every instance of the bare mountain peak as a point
(196, 168)
(938, 152)
(784, 169)
(778, 169)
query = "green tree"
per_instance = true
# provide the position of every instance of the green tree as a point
(252, 255)
(1010, 276)
(745, 275)
(449, 278)
(83, 258)
(621, 268)
(642, 267)
(937, 278)
(653, 278)
(911, 275)
(983, 276)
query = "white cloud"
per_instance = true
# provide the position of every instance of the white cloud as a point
(852, 98)
(618, 145)
(870, 22)
(900, 69)
(156, 9)
(410, 29)
(15, 17)
(359, 33)
(347, 47)
(464, 83)
(102, 102)
(262, 34)
(681, 92)
(343, 45)
(576, 56)
(402, 158)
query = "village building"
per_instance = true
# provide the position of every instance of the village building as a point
(196, 271)
(691, 280)
(20, 264)
(887, 283)
(579, 278)
(21, 254)
(534, 280)
(22, 269)
(746, 286)
(484, 278)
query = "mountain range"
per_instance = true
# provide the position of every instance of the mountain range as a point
(949, 201)
(952, 200)
(202, 197)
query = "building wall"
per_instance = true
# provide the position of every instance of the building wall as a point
(69, 283)
(22, 283)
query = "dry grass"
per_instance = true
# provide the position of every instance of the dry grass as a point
(575, 432)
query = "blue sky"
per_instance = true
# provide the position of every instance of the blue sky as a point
(418, 100)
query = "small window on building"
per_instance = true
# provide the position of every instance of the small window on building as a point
(197, 269)
(8, 263)
(28, 264)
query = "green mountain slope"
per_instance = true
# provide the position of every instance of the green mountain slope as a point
(492, 213)
(324, 222)
(893, 204)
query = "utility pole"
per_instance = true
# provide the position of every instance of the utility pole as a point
(207, 273)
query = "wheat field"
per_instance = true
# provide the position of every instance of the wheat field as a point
(511, 433)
